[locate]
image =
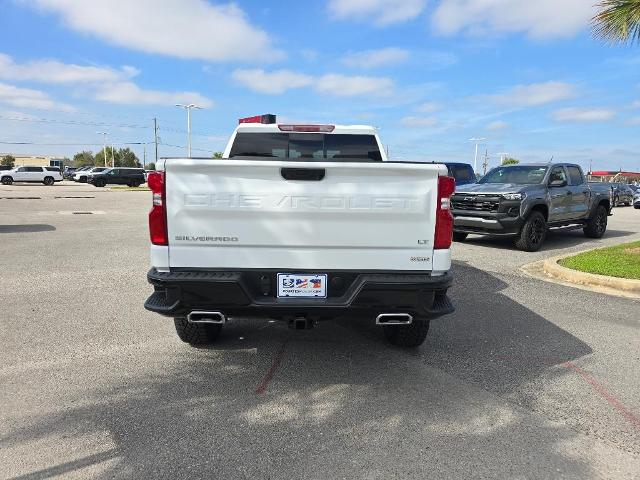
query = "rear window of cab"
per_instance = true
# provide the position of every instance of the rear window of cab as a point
(306, 146)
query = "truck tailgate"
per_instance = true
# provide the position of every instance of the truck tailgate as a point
(243, 214)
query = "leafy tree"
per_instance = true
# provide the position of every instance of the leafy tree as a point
(98, 160)
(82, 159)
(510, 161)
(8, 161)
(122, 157)
(151, 166)
(127, 158)
(617, 21)
(217, 154)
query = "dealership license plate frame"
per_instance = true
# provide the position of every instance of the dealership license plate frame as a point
(305, 292)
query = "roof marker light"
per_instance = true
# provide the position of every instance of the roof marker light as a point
(264, 119)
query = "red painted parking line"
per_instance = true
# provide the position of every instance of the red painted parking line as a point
(262, 386)
(597, 387)
(608, 396)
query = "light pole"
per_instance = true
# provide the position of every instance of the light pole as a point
(485, 164)
(104, 147)
(188, 109)
(475, 158)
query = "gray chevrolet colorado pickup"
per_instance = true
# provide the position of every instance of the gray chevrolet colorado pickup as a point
(526, 200)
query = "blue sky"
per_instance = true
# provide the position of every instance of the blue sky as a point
(430, 74)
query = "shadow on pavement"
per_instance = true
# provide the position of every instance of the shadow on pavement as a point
(28, 228)
(554, 241)
(342, 403)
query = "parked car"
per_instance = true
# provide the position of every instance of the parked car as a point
(133, 177)
(69, 172)
(622, 194)
(81, 169)
(293, 223)
(84, 175)
(462, 172)
(524, 201)
(636, 199)
(5, 167)
(46, 175)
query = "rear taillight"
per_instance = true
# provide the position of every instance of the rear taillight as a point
(444, 218)
(307, 128)
(158, 213)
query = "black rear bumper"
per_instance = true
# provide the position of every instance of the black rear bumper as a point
(252, 293)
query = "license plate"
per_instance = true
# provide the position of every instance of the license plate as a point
(299, 285)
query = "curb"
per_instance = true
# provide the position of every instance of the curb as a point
(552, 268)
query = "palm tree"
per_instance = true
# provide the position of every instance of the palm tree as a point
(618, 21)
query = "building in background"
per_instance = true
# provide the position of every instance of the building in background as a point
(35, 160)
(617, 176)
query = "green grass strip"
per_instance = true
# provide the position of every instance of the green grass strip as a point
(616, 261)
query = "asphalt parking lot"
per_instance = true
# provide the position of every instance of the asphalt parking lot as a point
(528, 379)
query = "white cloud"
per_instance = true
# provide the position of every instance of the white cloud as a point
(379, 12)
(279, 81)
(583, 114)
(53, 71)
(17, 114)
(128, 93)
(540, 19)
(29, 98)
(271, 83)
(534, 94)
(428, 107)
(497, 125)
(346, 86)
(100, 83)
(636, 104)
(634, 121)
(376, 58)
(419, 121)
(178, 28)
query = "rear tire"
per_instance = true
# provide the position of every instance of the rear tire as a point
(459, 236)
(196, 333)
(48, 181)
(597, 225)
(533, 233)
(99, 183)
(408, 336)
(7, 180)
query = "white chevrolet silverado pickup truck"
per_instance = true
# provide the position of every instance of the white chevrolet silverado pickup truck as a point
(300, 223)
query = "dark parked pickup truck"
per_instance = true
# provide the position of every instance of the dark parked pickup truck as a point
(524, 201)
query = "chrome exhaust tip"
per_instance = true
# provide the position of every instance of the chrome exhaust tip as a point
(206, 317)
(394, 319)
